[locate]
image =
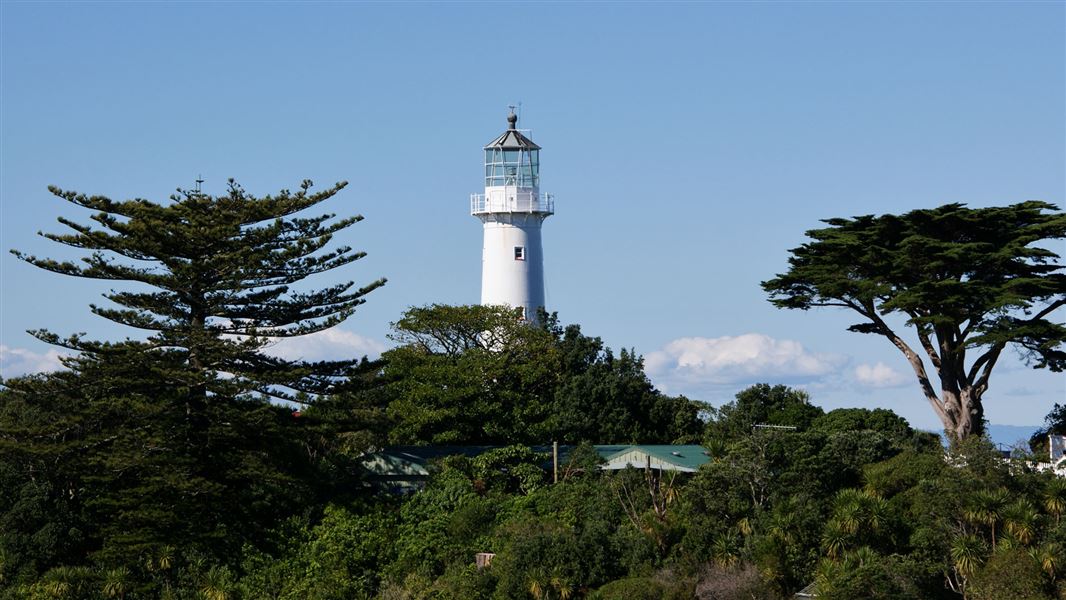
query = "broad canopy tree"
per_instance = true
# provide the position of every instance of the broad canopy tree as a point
(480, 375)
(969, 282)
(467, 374)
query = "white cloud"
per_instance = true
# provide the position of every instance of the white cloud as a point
(19, 361)
(880, 375)
(331, 344)
(691, 362)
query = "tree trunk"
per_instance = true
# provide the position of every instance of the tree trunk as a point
(959, 403)
(963, 414)
(196, 401)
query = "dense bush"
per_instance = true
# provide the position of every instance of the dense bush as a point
(851, 501)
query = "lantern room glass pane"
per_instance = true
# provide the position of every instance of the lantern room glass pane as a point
(512, 167)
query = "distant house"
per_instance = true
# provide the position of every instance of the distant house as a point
(1056, 455)
(681, 458)
(403, 469)
(1056, 448)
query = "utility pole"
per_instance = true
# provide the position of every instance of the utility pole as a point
(555, 461)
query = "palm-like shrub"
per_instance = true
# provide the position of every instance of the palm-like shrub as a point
(1021, 521)
(835, 539)
(117, 583)
(859, 517)
(1055, 498)
(967, 555)
(1050, 557)
(986, 508)
(217, 584)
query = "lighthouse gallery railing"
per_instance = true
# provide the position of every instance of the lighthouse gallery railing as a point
(516, 202)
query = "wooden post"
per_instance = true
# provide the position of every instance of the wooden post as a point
(555, 462)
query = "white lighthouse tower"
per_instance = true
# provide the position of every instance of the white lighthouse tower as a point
(512, 210)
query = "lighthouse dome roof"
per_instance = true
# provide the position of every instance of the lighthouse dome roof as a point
(512, 138)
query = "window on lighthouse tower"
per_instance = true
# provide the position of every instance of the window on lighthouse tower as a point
(519, 252)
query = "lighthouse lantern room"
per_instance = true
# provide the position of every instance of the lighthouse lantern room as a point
(511, 211)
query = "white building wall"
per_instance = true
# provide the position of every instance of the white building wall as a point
(505, 279)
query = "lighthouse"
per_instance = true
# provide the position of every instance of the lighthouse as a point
(511, 211)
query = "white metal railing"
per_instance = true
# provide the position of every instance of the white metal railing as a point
(515, 202)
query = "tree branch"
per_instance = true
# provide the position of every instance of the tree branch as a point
(915, 361)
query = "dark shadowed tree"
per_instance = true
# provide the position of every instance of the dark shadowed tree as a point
(602, 397)
(173, 440)
(969, 282)
(107, 463)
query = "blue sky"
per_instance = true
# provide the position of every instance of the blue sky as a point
(688, 145)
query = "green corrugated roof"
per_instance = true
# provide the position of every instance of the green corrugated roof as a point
(689, 456)
(407, 460)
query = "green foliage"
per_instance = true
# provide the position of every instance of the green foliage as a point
(969, 281)
(221, 270)
(582, 461)
(857, 419)
(643, 588)
(462, 582)
(568, 536)
(171, 442)
(603, 398)
(542, 559)
(62, 583)
(859, 519)
(1010, 574)
(514, 469)
(473, 374)
(773, 512)
(445, 523)
(903, 472)
(129, 471)
(1054, 499)
(865, 506)
(117, 583)
(951, 516)
(866, 575)
(42, 524)
(762, 404)
(557, 540)
(341, 557)
(479, 375)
